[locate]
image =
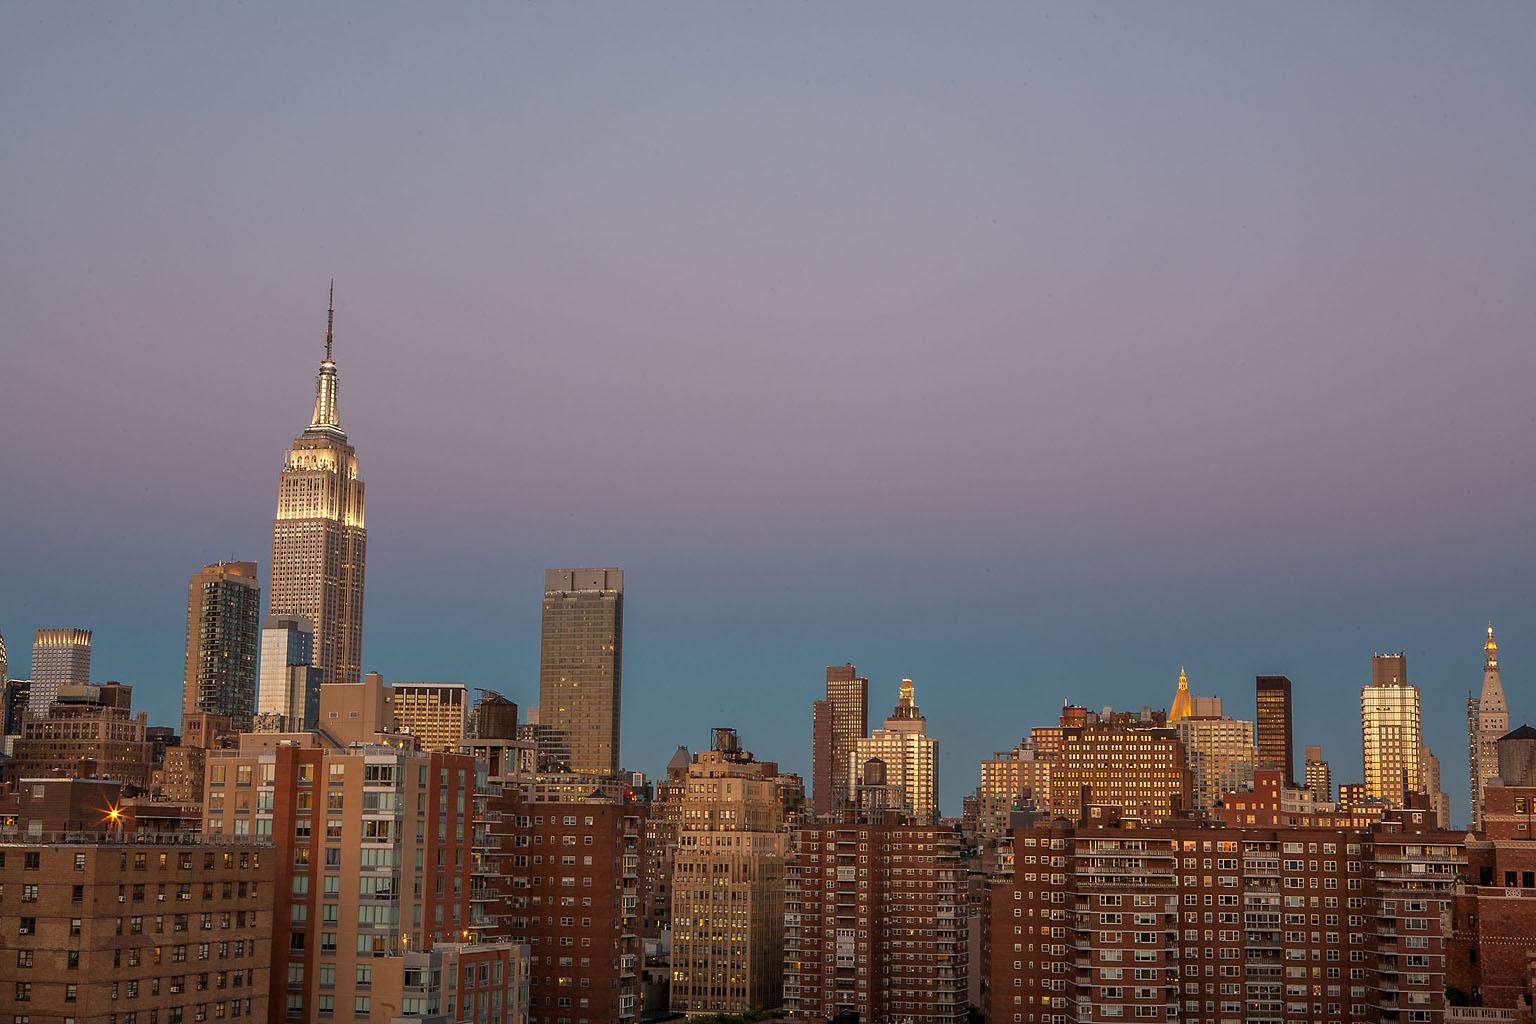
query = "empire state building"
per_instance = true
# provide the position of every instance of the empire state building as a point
(319, 545)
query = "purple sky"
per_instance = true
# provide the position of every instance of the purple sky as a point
(1027, 351)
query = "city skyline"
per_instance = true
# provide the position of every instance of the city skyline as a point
(1148, 389)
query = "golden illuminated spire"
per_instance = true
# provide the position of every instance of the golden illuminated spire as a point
(1181, 703)
(327, 418)
(1490, 650)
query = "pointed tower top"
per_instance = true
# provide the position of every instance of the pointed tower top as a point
(326, 418)
(906, 702)
(330, 322)
(1182, 705)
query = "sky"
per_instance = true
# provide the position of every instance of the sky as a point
(1029, 351)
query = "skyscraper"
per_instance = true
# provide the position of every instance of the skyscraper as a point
(1487, 720)
(728, 884)
(909, 754)
(1390, 731)
(290, 682)
(580, 658)
(1272, 699)
(319, 543)
(60, 657)
(1319, 776)
(223, 638)
(836, 723)
(4, 663)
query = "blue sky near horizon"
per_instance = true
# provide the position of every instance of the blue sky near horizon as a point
(1029, 351)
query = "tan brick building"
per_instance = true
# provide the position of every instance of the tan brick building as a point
(105, 926)
(728, 884)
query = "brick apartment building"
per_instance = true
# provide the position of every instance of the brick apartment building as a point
(1197, 923)
(875, 923)
(103, 925)
(569, 886)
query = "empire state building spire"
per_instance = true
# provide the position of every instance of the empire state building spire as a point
(327, 419)
(319, 543)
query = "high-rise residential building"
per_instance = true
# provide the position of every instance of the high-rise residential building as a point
(435, 713)
(89, 731)
(1144, 772)
(1429, 782)
(1220, 753)
(1272, 720)
(289, 689)
(1487, 721)
(319, 542)
(875, 923)
(1390, 730)
(1319, 777)
(728, 884)
(580, 662)
(60, 657)
(836, 723)
(374, 848)
(663, 824)
(1104, 923)
(1181, 708)
(15, 695)
(105, 923)
(577, 906)
(223, 643)
(909, 754)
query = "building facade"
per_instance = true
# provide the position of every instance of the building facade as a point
(1144, 772)
(60, 657)
(837, 722)
(289, 686)
(1487, 722)
(580, 666)
(1272, 719)
(373, 845)
(569, 886)
(1319, 778)
(728, 884)
(909, 755)
(319, 541)
(102, 926)
(875, 923)
(1391, 732)
(1220, 754)
(435, 713)
(223, 643)
(89, 731)
(1258, 925)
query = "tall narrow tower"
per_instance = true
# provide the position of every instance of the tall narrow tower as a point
(580, 666)
(1272, 718)
(836, 724)
(319, 544)
(1487, 720)
(60, 657)
(223, 642)
(1391, 731)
